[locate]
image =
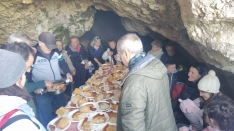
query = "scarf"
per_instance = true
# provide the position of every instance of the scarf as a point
(135, 59)
(156, 54)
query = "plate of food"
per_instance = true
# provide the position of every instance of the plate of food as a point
(90, 94)
(89, 107)
(112, 116)
(86, 88)
(78, 91)
(107, 95)
(98, 97)
(107, 87)
(85, 125)
(107, 127)
(98, 118)
(71, 105)
(76, 115)
(114, 106)
(64, 111)
(104, 105)
(59, 124)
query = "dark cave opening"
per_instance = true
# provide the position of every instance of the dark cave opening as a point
(107, 24)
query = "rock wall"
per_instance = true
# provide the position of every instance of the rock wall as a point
(62, 17)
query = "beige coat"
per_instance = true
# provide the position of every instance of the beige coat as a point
(68, 61)
(145, 103)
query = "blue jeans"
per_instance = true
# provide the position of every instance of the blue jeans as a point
(47, 104)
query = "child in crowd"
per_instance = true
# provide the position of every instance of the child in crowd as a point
(111, 54)
(96, 51)
(209, 87)
(220, 116)
(175, 74)
(156, 49)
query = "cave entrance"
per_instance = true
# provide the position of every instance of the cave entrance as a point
(107, 24)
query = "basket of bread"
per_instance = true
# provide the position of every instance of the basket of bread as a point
(93, 106)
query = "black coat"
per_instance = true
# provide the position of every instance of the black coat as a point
(190, 91)
(77, 57)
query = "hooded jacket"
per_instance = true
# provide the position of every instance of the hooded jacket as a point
(9, 103)
(145, 99)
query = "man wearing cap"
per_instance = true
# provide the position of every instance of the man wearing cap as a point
(47, 64)
(15, 44)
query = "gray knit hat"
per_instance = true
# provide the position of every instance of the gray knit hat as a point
(12, 67)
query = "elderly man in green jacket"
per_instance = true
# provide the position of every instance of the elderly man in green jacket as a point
(145, 103)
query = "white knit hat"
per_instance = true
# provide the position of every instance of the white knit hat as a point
(209, 83)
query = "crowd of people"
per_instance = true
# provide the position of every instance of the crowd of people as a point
(160, 92)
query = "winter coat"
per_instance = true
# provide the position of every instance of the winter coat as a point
(96, 54)
(9, 103)
(77, 56)
(145, 99)
(48, 68)
(190, 91)
(68, 61)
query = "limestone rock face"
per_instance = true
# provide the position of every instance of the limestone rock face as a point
(61, 17)
(211, 24)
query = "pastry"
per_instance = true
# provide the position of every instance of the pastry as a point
(62, 123)
(119, 68)
(97, 82)
(77, 116)
(104, 105)
(96, 88)
(117, 75)
(86, 88)
(116, 96)
(109, 128)
(98, 97)
(99, 72)
(75, 98)
(106, 88)
(112, 117)
(85, 109)
(106, 95)
(98, 119)
(114, 107)
(113, 70)
(105, 72)
(105, 67)
(78, 91)
(62, 112)
(82, 101)
(88, 94)
(104, 80)
(118, 64)
(86, 125)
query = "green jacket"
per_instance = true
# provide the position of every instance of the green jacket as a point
(145, 103)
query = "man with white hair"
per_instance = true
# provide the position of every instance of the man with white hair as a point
(145, 103)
